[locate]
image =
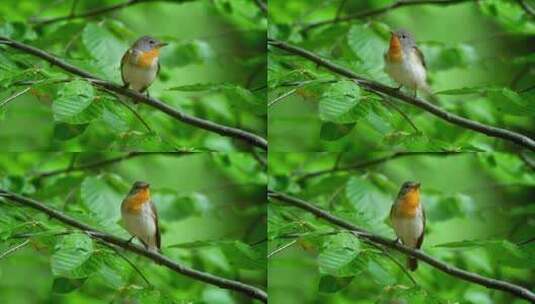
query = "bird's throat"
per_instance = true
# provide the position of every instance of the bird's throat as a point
(146, 59)
(135, 202)
(395, 52)
(409, 203)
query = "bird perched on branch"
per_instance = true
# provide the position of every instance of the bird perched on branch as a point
(408, 219)
(140, 64)
(140, 217)
(405, 63)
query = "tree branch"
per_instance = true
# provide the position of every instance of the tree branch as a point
(262, 6)
(98, 11)
(250, 138)
(528, 9)
(516, 290)
(373, 86)
(105, 162)
(248, 290)
(374, 162)
(379, 11)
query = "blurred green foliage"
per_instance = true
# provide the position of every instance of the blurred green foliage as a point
(485, 44)
(217, 44)
(479, 209)
(212, 217)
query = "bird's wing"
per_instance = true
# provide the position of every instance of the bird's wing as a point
(155, 215)
(420, 56)
(123, 61)
(421, 238)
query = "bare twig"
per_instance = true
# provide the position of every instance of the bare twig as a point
(373, 86)
(98, 11)
(262, 6)
(105, 162)
(246, 289)
(14, 248)
(13, 96)
(281, 97)
(379, 11)
(516, 290)
(281, 248)
(374, 162)
(528, 9)
(527, 160)
(250, 138)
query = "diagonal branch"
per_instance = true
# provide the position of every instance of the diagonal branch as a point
(98, 11)
(250, 138)
(379, 11)
(375, 162)
(105, 162)
(262, 6)
(373, 86)
(246, 289)
(516, 290)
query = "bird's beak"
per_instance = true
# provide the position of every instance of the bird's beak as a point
(161, 44)
(417, 186)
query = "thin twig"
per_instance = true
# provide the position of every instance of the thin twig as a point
(103, 163)
(281, 248)
(98, 11)
(281, 97)
(14, 248)
(516, 290)
(388, 255)
(262, 6)
(15, 95)
(528, 9)
(373, 86)
(246, 289)
(250, 138)
(374, 162)
(118, 252)
(379, 11)
(528, 161)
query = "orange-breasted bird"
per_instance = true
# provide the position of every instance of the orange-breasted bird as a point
(140, 64)
(405, 63)
(140, 217)
(408, 219)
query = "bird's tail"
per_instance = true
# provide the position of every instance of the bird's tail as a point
(412, 264)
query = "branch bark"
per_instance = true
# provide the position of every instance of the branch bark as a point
(262, 6)
(513, 289)
(250, 138)
(248, 290)
(379, 11)
(99, 11)
(373, 86)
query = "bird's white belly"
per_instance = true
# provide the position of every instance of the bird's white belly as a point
(408, 75)
(141, 225)
(408, 229)
(139, 77)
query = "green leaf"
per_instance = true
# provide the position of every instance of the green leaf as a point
(243, 256)
(179, 55)
(367, 199)
(63, 131)
(177, 207)
(330, 131)
(73, 98)
(66, 285)
(101, 199)
(105, 49)
(337, 100)
(366, 44)
(338, 252)
(71, 252)
(332, 284)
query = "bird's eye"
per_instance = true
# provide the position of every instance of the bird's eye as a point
(402, 36)
(152, 42)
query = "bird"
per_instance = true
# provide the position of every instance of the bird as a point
(140, 63)
(405, 63)
(140, 217)
(408, 219)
